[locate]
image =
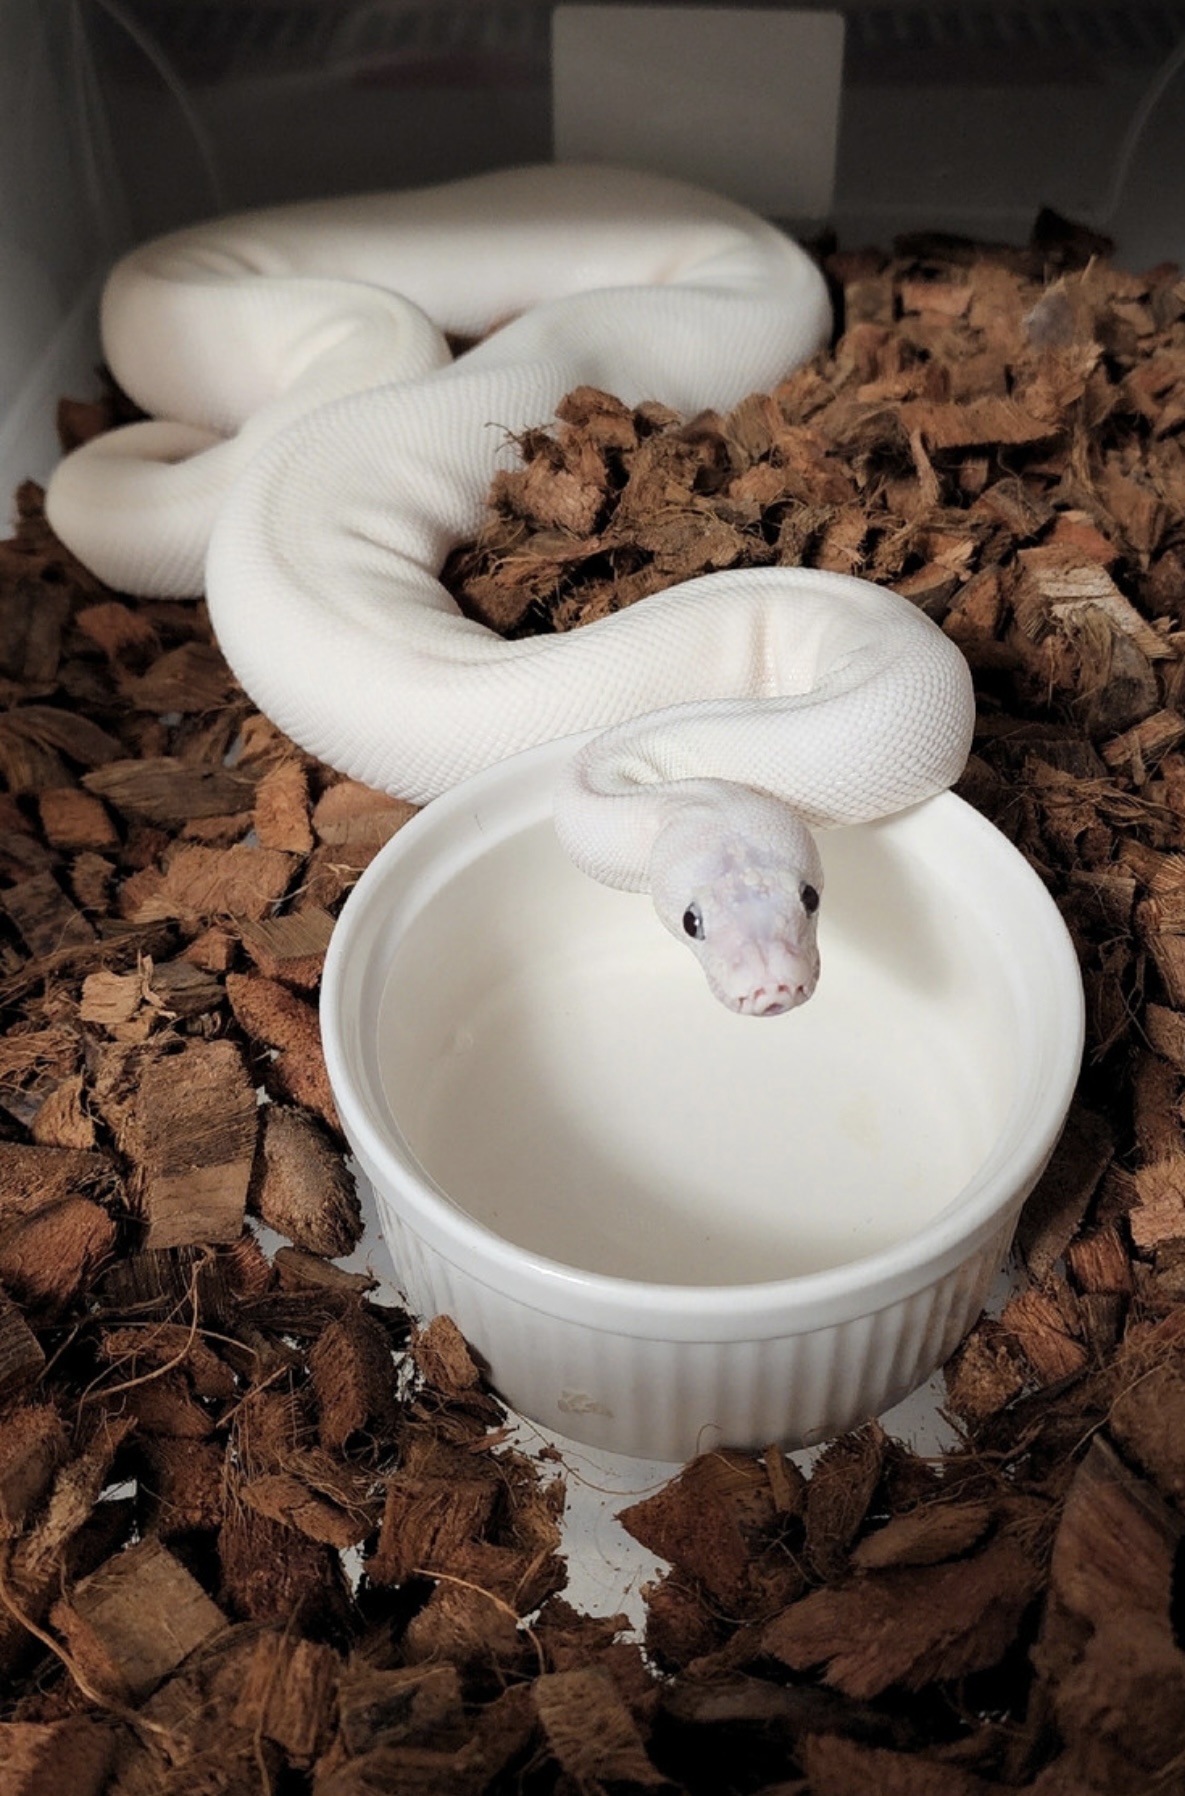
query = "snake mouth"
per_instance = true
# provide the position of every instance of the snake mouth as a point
(773, 1000)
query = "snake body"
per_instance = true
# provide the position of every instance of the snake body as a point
(314, 453)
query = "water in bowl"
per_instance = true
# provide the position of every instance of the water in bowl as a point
(556, 1064)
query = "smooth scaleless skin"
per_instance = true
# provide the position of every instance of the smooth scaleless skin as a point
(314, 454)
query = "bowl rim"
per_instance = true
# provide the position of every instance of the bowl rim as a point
(989, 1201)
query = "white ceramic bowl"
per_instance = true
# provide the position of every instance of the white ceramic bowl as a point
(662, 1225)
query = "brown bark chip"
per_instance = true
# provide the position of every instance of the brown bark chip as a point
(924, 1536)
(355, 1380)
(73, 1756)
(190, 678)
(839, 1767)
(73, 820)
(1037, 1323)
(1147, 1422)
(170, 1347)
(1107, 1654)
(120, 631)
(426, 1521)
(679, 1627)
(268, 1012)
(400, 1705)
(1114, 1542)
(66, 732)
(287, 1498)
(300, 1271)
(1058, 1204)
(909, 1626)
(1098, 1262)
(442, 1355)
(133, 1621)
(45, 917)
(842, 1484)
(168, 790)
(62, 1119)
(203, 884)
(21, 1354)
(354, 821)
(271, 1572)
(711, 1522)
(33, 1444)
(1158, 1213)
(591, 1732)
(470, 1627)
(31, 625)
(984, 1373)
(116, 1003)
(281, 814)
(291, 947)
(289, 1695)
(182, 1485)
(53, 1234)
(301, 1187)
(191, 1139)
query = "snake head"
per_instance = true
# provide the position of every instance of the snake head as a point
(743, 893)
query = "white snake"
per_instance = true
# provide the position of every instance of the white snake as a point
(311, 430)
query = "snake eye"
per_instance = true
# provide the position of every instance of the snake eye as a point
(693, 922)
(810, 900)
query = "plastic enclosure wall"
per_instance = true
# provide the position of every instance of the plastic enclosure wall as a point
(61, 215)
(121, 118)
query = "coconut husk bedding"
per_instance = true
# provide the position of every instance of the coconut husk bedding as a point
(260, 1531)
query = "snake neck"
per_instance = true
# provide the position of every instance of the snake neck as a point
(612, 803)
(617, 809)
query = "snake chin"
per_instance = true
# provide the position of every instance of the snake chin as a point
(761, 966)
(746, 904)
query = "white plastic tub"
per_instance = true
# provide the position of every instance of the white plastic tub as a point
(664, 1225)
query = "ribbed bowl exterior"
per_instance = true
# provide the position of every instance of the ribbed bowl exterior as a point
(661, 1399)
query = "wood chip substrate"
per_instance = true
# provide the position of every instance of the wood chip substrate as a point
(260, 1532)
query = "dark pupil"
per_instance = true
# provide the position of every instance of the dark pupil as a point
(693, 922)
(810, 900)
